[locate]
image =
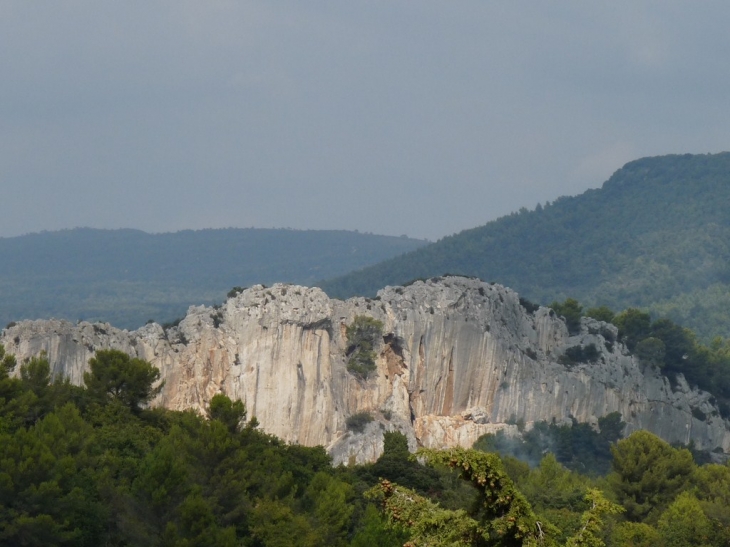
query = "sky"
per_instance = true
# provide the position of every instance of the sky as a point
(393, 117)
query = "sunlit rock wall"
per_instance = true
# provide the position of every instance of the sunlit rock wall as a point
(459, 358)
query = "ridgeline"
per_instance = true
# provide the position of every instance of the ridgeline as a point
(655, 236)
(126, 277)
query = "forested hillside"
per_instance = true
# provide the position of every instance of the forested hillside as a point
(655, 236)
(126, 277)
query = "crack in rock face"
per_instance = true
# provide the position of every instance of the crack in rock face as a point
(457, 358)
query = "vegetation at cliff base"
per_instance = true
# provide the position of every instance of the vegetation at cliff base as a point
(656, 236)
(93, 465)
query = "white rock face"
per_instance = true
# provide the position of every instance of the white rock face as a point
(459, 358)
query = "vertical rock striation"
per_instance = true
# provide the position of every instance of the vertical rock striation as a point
(458, 358)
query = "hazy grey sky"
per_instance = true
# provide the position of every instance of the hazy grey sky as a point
(419, 118)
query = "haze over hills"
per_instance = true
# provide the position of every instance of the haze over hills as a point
(656, 236)
(126, 277)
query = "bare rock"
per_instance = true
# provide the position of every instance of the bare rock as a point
(458, 358)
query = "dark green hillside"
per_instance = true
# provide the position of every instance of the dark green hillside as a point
(127, 277)
(656, 235)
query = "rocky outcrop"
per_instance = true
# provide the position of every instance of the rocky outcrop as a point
(458, 358)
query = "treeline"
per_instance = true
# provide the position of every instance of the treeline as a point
(93, 465)
(126, 277)
(655, 236)
(664, 344)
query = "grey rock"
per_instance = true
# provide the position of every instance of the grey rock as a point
(459, 358)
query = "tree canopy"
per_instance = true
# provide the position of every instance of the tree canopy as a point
(115, 376)
(655, 236)
(87, 467)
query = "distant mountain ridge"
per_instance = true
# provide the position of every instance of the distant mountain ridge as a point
(656, 235)
(128, 276)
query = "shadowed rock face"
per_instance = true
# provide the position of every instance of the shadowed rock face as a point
(458, 358)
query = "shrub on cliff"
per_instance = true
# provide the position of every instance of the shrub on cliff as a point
(357, 422)
(362, 336)
(580, 354)
(571, 311)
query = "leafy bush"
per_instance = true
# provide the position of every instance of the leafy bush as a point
(571, 311)
(362, 336)
(601, 313)
(217, 318)
(580, 354)
(173, 323)
(235, 291)
(633, 326)
(357, 422)
(651, 351)
(529, 306)
(698, 414)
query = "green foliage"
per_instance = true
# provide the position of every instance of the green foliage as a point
(428, 524)
(684, 524)
(375, 531)
(357, 422)
(572, 311)
(363, 334)
(235, 291)
(591, 522)
(576, 446)
(580, 354)
(115, 376)
(655, 236)
(633, 326)
(36, 375)
(648, 474)
(635, 534)
(332, 510)
(601, 313)
(651, 351)
(43, 471)
(124, 277)
(78, 473)
(530, 307)
(503, 514)
(396, 465)
(231, 413)
(611, 427)
(550, 486)
(395, 446)
(675, 349)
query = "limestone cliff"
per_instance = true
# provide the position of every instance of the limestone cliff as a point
(458, 358)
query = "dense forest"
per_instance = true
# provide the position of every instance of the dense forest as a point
(126, 277)
(656, 236)
(93, 465)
